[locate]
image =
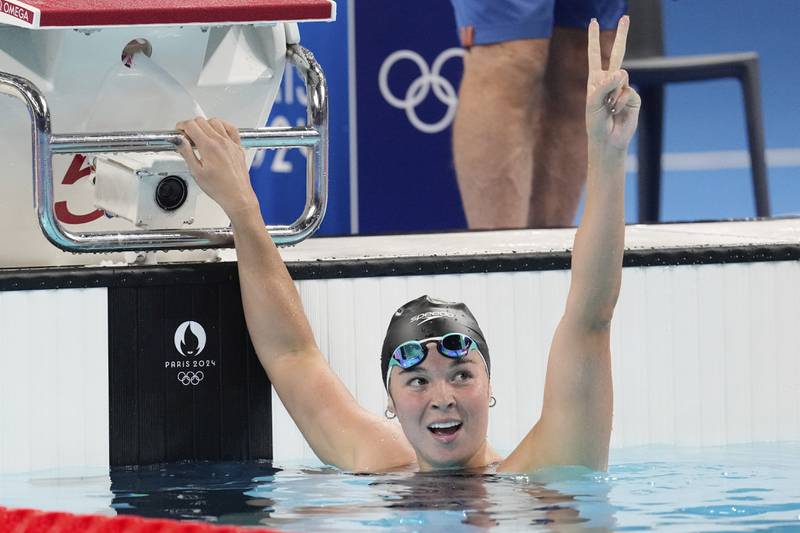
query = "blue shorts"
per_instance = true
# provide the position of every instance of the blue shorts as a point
(493, 21)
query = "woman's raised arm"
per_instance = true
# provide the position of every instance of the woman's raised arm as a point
(339, 431)
(575, 425)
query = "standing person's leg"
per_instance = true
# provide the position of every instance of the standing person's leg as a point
(560, 148)
(498, 102)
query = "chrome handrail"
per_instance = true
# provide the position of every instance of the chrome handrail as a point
(45, 144)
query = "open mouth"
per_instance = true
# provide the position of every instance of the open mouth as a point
(444, 429)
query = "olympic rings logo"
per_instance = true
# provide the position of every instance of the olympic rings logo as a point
(429, 79)
(190, 378)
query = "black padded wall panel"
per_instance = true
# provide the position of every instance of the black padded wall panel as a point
(184, 381)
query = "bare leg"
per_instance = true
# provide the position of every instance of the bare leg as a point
(560, 148)
(493, 130)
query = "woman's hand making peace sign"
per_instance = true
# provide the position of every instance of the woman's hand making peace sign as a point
(612, 106)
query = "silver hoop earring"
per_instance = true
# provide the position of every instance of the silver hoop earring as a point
(389, 414)
(492, 401)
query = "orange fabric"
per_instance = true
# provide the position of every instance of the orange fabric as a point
(467, 35)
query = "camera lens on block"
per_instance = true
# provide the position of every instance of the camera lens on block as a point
(171, 193)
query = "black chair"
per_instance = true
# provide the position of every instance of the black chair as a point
(650, 70)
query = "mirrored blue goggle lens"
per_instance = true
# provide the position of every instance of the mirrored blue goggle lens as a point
(409, 354)
(456, 345)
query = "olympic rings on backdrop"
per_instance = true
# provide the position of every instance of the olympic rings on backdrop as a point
(429, 79)
(190, 378)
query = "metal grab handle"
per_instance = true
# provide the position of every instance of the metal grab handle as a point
(45, 144)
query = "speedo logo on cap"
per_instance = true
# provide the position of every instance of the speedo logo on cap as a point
(430, 315)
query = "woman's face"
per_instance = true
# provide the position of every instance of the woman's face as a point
(443, 406)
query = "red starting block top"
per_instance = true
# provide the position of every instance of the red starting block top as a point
(98, 13)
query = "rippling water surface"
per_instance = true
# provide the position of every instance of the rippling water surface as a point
(734, 488)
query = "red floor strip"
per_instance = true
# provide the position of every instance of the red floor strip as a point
(32, 521)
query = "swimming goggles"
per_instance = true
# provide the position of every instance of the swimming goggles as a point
(411, 353)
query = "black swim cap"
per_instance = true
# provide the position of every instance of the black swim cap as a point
(426, 317)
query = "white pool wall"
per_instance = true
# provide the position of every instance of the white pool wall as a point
(53, 379)
(701, 355)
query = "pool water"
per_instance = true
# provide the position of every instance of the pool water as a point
(752, 487)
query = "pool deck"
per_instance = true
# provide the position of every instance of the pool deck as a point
(639, 237)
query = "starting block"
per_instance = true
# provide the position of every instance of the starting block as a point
(112, 78)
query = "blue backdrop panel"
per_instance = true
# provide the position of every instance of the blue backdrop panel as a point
(405, 176)
(708, 116)
(406, 180)
(279, 176)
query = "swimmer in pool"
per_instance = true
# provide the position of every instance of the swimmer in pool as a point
(435, 360)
